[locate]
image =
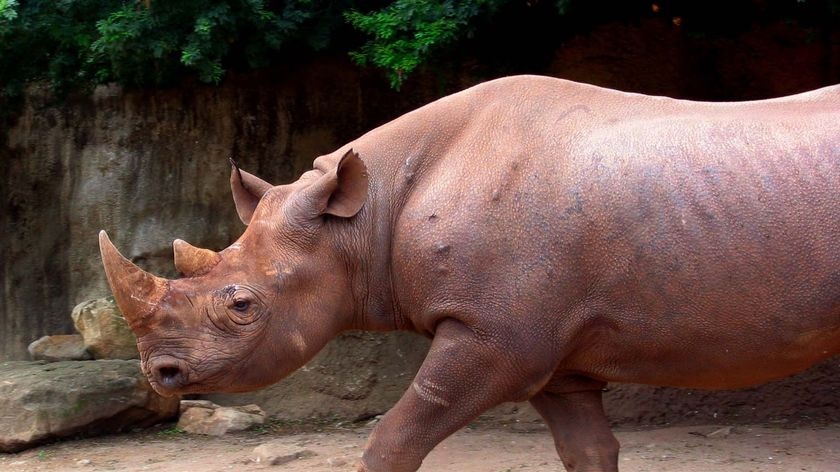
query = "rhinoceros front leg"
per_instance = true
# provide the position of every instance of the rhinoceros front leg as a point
(580, 428)
(462, 376)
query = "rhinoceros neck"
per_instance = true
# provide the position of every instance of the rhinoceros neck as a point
(397, 156)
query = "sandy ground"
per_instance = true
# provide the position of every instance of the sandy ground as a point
(493, 448)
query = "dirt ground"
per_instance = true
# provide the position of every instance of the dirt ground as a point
(478, 448)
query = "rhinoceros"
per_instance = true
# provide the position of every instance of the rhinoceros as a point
(549, 236)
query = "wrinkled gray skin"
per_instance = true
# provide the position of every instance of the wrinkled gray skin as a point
(549, 236)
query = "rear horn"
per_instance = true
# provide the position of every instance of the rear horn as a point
(193, 261)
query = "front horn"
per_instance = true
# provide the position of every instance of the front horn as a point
(192, 261)
(137, 292)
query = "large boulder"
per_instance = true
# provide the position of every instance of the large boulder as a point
(106, 333)
(59, 347)
(41, 401)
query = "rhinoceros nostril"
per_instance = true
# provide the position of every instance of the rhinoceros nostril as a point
(169, 376)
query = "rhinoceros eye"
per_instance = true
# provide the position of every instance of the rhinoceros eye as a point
(241, 305)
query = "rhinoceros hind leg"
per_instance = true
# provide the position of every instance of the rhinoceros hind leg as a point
(580, 428)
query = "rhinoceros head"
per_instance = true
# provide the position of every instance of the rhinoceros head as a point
(247, 316)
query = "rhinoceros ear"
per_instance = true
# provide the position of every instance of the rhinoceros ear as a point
(352, 186)
(247, 191)
(341, 192)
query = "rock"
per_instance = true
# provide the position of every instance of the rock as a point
(278, 453)
(106, 333)
(187, 404)
(336, 461)
(41, 401)
(62, 347)
(251, 409)
(720, 433)
(204, 417)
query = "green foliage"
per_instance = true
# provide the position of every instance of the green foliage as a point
(170, 432)
(156, 44)
(43, 39)
(8, 12)
(74, 43)
(404, 33)
(80, 43)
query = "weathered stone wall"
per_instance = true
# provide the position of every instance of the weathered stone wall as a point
(150, 166)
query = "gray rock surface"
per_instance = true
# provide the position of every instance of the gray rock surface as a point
(60, 347)
(41, 401)
(106, 333)
(151, 166)
(204, 417)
